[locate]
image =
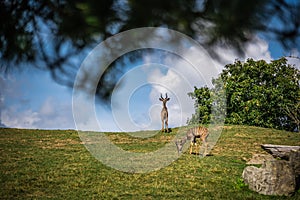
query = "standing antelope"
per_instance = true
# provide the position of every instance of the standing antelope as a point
(164, 113)
(192, 134)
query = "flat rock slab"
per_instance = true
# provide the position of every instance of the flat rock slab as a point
(280, 151)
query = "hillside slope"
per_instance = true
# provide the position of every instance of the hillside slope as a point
(55, 164)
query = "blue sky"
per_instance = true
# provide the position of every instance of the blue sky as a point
(31, 99)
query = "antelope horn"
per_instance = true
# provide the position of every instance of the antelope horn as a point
(166, 95)
(161, 95)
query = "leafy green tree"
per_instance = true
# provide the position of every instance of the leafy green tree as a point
(258, 93)
(203, 102)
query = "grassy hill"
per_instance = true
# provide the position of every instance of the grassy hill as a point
(43, 164)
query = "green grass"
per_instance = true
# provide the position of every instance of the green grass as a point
(52, 164)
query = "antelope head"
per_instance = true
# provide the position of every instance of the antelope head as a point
(164, 100)
(179, 144)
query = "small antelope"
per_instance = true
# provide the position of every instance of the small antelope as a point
(164, 113)
(192, 134)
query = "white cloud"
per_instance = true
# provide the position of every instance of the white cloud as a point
(11, 117)
(56, 113)
(22, 105)
(257, 49)
(52, 114)
(294, 58)
(48, 108)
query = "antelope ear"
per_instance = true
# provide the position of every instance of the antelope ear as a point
(160, 99)
(168, 99)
